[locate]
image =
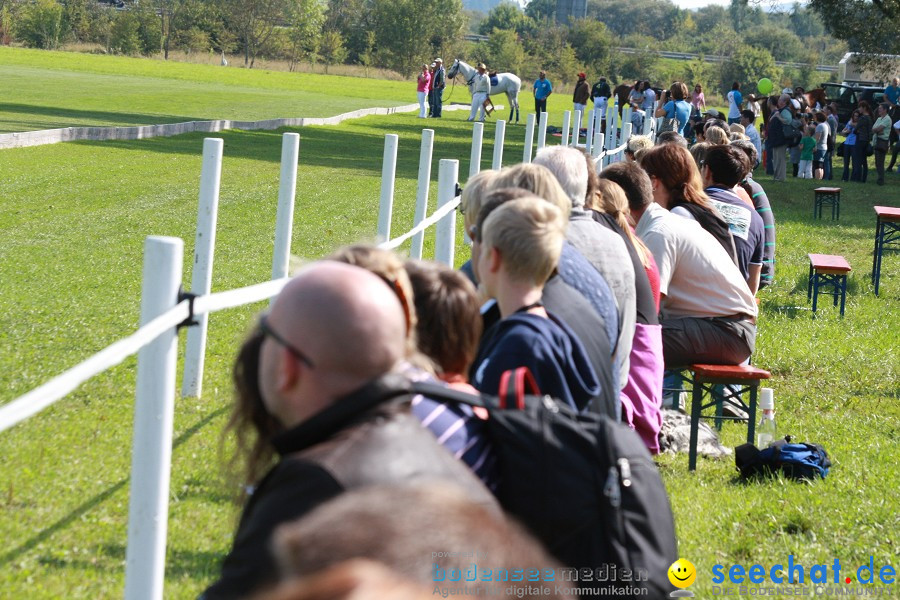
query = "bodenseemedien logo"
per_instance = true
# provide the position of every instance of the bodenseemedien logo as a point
(682, 574)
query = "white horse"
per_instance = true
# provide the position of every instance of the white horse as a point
(507, 83)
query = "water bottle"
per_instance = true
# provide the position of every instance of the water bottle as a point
(765, 431)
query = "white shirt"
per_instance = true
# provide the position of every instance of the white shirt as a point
(696, 275)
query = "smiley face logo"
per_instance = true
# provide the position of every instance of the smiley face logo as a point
(682, 573)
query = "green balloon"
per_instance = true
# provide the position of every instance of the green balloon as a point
(765, 86)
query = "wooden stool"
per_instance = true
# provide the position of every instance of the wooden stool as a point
(887, 231)
(706, 378)
(827, 195)
(827, 270)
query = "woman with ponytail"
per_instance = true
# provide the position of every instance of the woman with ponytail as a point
(678, 187)
(642, 394)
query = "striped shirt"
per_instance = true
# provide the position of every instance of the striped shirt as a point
(764, 209)
(456, 428)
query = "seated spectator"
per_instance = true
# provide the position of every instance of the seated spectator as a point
(764, 209)
(642, 394)
(574, 269)
(676, 186)
(708, 314)
(403, 527)
(747, 120)
(726, 167)
(671, 137)
(698, 151)
(448, 320)
(470, 203)
(454, 425)
(635, 144)
(516, 249)
(312, 384)
(699, 132)
(737, 128)
(716, 136)
(603, 248)
(568, 304)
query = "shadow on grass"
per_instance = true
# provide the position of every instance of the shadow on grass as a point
(179, 563)
(326, 147)
(76, 118)
(98, 499)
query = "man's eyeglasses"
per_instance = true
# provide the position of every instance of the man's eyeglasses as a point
(268, 331)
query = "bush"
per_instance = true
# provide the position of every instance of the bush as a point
(40, 24)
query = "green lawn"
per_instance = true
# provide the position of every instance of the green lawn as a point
(74, 217)
(46, 90)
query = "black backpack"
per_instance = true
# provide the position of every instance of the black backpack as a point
(794, 461)
(584, 485)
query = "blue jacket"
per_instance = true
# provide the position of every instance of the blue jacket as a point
(548, 347)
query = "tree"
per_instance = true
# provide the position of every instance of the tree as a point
(504, 52)
(868, 26)
(331, 49)
(781, 43)
(505, 15)
(541, 9)
(40, 24)
(592, 43)
(407, 31)
(304, 36)
(254, 22)
(748, 65)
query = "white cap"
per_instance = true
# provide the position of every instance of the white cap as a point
(787, 91)
(766, 399)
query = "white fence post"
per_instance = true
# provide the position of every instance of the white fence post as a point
(388, 173)
(589, 133)
(567, 122)
(151, 454)
(598, 130)
(612, 118)
(424, 183)
(542, 131)
(201, 276)
(445, 229)
(287, 191)
(477, 140)
(499, 140)
(576, 128)
(598, 145)
(529, 139)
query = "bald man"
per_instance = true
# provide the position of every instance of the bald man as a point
(327, 350)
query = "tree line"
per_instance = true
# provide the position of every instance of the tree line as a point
(402, 34)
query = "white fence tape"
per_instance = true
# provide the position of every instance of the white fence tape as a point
(434, 218)
(41, 397)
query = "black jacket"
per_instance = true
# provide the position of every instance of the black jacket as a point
(365, 438)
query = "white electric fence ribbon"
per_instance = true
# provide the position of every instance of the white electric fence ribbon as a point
(41, 397)
(434, 218)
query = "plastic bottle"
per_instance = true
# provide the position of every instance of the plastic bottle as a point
(766, 430)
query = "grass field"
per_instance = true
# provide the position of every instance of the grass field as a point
(74, 217)
(64, 89)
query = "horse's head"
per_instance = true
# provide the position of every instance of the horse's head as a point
(454, 69)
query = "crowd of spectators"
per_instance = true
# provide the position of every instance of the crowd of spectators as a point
(598, 282)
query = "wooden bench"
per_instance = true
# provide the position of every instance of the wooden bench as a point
(827, 270)
(827, 195)
(711, 379)
(887, 232)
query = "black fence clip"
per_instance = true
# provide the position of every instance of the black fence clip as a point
(190, 320)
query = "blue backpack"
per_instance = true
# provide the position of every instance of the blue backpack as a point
(794, 461)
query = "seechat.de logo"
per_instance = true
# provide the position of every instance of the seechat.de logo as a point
(682, 574)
